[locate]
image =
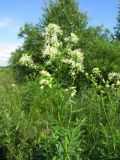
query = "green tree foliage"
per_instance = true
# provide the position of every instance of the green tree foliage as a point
(96, 42)
(32, 45)
(33, 39)
(117, 28)
(66, 14)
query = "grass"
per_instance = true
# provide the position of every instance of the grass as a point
(50, 125)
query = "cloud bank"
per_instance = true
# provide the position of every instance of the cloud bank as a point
(5, 52)
(8, 30)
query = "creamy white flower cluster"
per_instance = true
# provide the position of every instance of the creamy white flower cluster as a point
(72, 38)
(46, 79)
(52, 29)
(27, 61)
(52, 44)
(96, 71)
(53, 50)
(72, 91)
(74, 60)
(114, 78)
(113, 81)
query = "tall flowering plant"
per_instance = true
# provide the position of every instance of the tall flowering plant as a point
(61, 58)
(64, 61)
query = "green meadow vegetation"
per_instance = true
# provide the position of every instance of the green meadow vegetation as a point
(60, 95)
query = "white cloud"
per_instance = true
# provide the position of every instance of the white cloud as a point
(10, 26)
(5, 22)
(5, 52)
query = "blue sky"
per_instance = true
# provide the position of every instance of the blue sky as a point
(15, 13)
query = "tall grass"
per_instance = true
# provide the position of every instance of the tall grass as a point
(50, 125)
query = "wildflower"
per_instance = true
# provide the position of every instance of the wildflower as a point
(51, 52)
(46, 79)
(107, 85)
(118, 83)
(52, 44)
(114, 78)
(86, 74)
(52, 29)
(45, 73)
(113, 85)
(73, 38)
(44, 82)
(66, 39)
(27, 61)
(73, 73)
(69, 62)
(72, 91)
(113, 75)
(74, 60)
(96, 71)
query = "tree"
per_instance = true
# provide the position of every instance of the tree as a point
(32, 45)
(117, 28)
(94, 41)
(66, 14)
